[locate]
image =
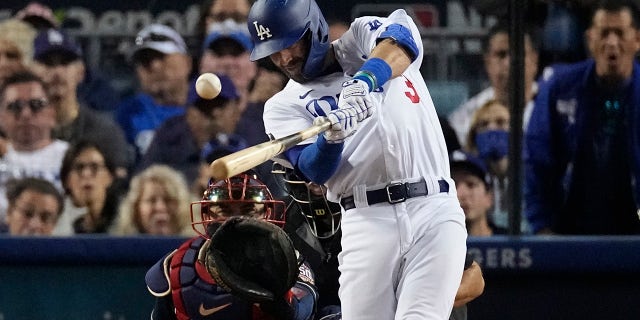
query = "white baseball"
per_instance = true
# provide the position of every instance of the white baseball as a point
(208, 86)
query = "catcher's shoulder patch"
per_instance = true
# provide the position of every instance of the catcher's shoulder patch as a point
(306, 274)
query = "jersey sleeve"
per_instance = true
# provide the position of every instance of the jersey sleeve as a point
(363, 35)
(400, 17)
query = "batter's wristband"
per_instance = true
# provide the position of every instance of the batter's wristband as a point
(375, 72)
(368, 78)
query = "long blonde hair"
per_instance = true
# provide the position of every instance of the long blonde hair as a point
(21, 34)
(176, 187)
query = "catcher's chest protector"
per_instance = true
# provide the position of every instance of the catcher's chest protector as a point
(195, 294)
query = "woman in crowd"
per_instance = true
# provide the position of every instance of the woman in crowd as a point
(488, 139)
(92, 191)
(157, 203)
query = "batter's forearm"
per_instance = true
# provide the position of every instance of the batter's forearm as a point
(393, 54)
(319, 161)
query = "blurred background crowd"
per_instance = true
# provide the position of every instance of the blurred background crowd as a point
(102, 132)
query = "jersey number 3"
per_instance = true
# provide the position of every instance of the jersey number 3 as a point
(412, 94)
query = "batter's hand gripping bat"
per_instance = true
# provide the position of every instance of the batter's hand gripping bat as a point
(245, 159)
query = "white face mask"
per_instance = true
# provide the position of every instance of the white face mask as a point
(227, 26)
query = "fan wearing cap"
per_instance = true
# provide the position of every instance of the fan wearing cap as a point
(95, 89)
(473, 185)
(216, 11)
(58, 61)
(226, 50)
(162, 65)
(183, 141)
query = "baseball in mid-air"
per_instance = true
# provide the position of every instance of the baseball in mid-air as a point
(208, 86)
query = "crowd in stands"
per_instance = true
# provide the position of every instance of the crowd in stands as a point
(77, 157)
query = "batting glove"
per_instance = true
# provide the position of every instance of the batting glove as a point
(355, 94)
(343, 124)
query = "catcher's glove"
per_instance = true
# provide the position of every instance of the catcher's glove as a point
(252, 259)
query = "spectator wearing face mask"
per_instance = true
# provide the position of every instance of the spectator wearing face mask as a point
(496, 64)
(488, 139)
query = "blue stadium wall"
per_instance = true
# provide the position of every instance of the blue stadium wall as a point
(90, 277)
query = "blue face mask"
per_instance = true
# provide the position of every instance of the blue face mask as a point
(492, 144)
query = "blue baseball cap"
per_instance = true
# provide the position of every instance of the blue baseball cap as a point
(463, 161)
(53, 40)
(239, 34)
(228, 89)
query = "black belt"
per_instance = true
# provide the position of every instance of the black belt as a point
(395, 193)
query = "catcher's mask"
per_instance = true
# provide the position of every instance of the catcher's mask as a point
(241, 195)
(323, 216)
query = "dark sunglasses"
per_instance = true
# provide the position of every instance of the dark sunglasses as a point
(35, 105)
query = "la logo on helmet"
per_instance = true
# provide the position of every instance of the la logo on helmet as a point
(262, 31)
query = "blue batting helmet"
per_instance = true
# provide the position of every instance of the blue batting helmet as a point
(277, 24)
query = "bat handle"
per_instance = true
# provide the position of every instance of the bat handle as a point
(248, 158)
(322, 123)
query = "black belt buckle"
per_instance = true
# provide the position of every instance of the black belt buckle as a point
(396, 192)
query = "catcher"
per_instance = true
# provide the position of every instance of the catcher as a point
(243, 266)
(313, 224)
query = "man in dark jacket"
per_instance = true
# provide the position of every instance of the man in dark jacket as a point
(582, 153)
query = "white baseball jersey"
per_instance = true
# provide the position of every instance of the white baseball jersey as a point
(405, 125)
(398, 261)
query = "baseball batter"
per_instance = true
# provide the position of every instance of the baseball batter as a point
(384, 159)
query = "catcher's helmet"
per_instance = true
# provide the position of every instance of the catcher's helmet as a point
(277, 24)
(241, 195)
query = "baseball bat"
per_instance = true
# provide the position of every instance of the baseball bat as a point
(245, 159)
